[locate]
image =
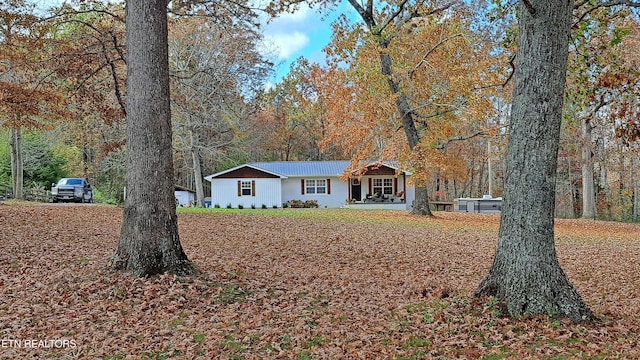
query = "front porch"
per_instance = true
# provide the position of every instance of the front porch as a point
(379, 187)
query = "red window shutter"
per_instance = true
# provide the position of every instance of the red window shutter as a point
(370, 187)
(253, 188)
(328, 186)
(395, 185)
(302, 186)
(239, 188)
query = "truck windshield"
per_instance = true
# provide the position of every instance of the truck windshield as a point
(70, 182)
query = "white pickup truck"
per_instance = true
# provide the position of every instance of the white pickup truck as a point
(72, 189)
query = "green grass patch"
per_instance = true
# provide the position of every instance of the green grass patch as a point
(198, 338)
(347, 215)
(155, 355)
(315, 342)
(81, 261)
(496, 356)
(416, 341)
(232, 345)
(232, 293)
(285, 342)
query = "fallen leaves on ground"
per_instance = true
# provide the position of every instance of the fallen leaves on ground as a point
(328, 285)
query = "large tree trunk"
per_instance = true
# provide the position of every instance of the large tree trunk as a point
(17, 162)
(197, 173)
(526, 275)
(149, 242)
(197, 167)
(635, 200)
(421, 203)
(588, 188)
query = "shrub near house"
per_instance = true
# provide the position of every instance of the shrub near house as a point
(303, 204)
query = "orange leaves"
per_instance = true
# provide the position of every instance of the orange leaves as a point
(427, 71)
(25, 106)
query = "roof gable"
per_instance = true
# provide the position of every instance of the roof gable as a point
(245, 171)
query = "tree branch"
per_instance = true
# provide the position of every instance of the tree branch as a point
(64, 12)
(424, 58)
(443, 145)
(366, 16)
(397, 13)
(529, 7)
(611, 3)
(513, 70)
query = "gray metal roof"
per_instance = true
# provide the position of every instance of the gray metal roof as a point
(286, 169)
(304, 168)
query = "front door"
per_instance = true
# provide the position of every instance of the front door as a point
(356, 190)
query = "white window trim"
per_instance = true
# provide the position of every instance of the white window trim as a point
(388, 187)
(245, 185)
(313, 184)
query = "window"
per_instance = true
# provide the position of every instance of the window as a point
(315, 186)
(245, 186)
(383, 186)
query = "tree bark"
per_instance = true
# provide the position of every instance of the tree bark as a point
(588, 188)
(634, 184)
(525, 274)
(149, 242)
(197, 174)
(421, 203)
(17, 162)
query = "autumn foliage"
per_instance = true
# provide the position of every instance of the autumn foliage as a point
(437, 66)
(302, 283)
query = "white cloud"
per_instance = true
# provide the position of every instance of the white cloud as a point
(299, 15)
(288, 44)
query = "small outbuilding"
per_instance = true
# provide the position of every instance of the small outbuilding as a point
(185, 197)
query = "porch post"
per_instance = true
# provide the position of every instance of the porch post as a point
(404, 186)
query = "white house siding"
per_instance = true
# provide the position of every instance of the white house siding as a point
(225, 191)
(292, 190)
(185, 198)
(411, 196)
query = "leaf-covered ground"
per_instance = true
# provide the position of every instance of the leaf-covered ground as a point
(301, 284)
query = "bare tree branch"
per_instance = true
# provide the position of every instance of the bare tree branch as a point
(513, 70)
(399, 10)
(611, 3)
(443, 145)
(530, 7)
(426, 55)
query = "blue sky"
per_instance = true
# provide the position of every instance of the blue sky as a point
(301, 34)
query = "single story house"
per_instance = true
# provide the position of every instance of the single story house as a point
(275, 183)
